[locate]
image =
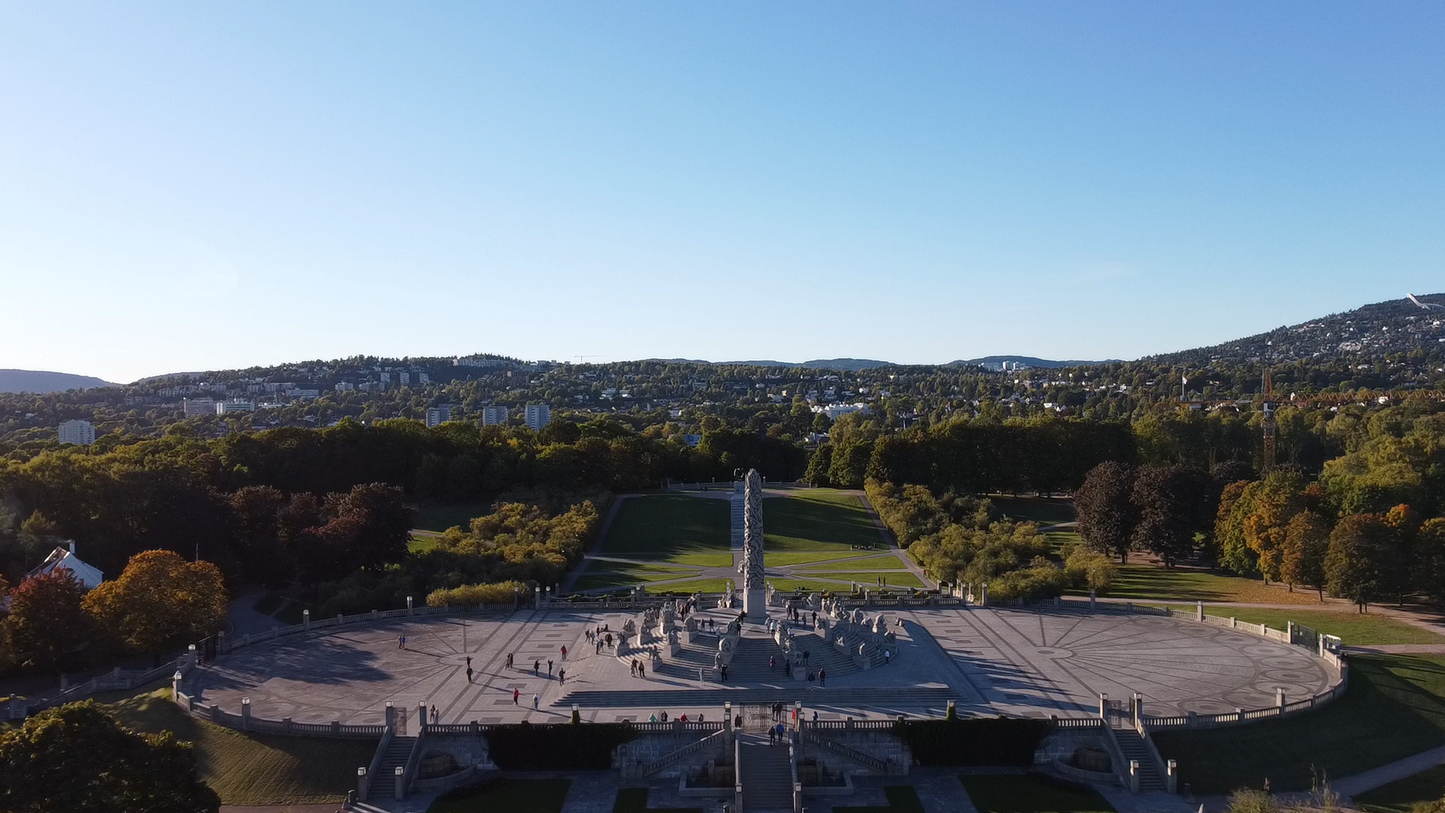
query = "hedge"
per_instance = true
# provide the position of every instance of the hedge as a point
(581, 747)
(973, 740)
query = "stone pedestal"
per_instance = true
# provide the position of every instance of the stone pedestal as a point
(755, 604)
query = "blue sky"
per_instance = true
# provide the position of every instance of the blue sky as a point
(199, 186)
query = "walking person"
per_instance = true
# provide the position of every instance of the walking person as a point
(772, 661)
(516, 697)
(549, 667)
(887, 657)
(561, 676)
(401, 642)
(434, 715)
(469, 674)
(536, 702)
(564, 652)
(822, 677)
(642, 670)
(724, 673)
(536, 667)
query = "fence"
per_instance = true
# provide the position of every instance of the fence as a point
(1297, 635)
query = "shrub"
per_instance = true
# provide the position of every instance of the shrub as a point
(1088, 569)
(973, 740)
(581, 747)
(473, 594)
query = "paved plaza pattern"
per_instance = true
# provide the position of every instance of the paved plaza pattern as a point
(1016, 661)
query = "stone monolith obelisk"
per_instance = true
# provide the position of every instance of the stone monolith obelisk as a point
(755, 598)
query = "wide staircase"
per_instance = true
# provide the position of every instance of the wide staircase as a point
(925, 701)
(765, 773)
(383, 784)
(1131, 745)
(750, 659)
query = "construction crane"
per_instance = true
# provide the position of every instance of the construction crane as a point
(1271, 429)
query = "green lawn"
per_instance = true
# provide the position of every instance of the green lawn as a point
(1144, 581)
(1395, 707)
(886, 561)
(443, 514)
(620, 575)
(1402, 796)
(506, 796)
(662, 526)
(901, 578)
(813, 521)
(1029, 794)
(808, 557)
(1043, 510)
(252, 770)
(634, 800)
(421, 542)
(1352, 627)
(901, 799)
(693, 586)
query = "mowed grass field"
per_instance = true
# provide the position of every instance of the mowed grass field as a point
(1395, 707)
(815, 526)
(250, 770)
(1043, 510)
(1353, 628)
(1404, 795)
(507, 795)
(673, 528)
(1029, 794)
(438, 515)
(1147, 581)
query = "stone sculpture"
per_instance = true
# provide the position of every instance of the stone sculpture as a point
(753, 586)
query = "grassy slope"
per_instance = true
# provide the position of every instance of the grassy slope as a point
(252, 770)
(819, 522)
(1395, 707)
(866, 580)
(1140, 581)
(662, 526)
(1043, 510)
(441, 515)
(885, 561)
(1353, 628)
(1026, 794)
(508, 796)
(1401, 796)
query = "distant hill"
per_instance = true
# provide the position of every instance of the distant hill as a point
(1367, 332)
(851, 365)
(993, 362)
(40, 381)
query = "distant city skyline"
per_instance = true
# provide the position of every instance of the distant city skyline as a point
(209, 187)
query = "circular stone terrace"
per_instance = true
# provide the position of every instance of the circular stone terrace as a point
(1013, 661)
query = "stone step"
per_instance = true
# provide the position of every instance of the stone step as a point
(916, 701)
(398, 751)
(765, 773)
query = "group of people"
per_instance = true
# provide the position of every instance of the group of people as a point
(661, 717)
(639, 669)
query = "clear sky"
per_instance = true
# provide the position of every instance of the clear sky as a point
(191, 186)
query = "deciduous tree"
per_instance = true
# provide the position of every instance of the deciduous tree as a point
(1361, 555)
(46, 621)
(1306, 544)
(1106, 509)
(160, 601)
(77, 757)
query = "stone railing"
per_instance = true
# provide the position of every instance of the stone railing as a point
(715, 741)
(1334, 660)
(115, 680)
(873, 763)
